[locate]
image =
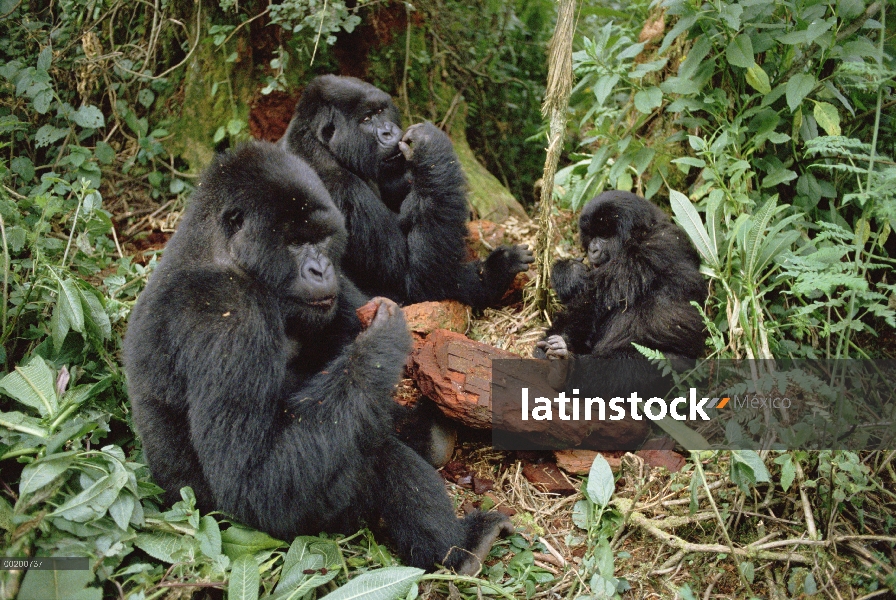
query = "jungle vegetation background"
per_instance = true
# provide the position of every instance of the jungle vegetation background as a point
(774, 118)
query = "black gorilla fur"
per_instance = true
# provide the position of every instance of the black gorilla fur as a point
(251, 381)
(403, 198)
(642, 277)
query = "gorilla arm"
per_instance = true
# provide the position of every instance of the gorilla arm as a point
(434, 215)
(270, 453)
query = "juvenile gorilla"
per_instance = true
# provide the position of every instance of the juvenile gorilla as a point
(403, 197)
(251, 381)
(643, 274)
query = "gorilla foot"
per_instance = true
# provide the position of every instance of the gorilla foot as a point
(483, 529)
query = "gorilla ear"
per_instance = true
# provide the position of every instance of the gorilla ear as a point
(324, 127)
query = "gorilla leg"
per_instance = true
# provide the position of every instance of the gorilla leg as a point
(427, 431)
(419, 516)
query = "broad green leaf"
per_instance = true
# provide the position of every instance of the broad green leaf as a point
(782, 175)
(89, 117)
(680, 85)
(59, 326)
(70, 303)
(47, 135)
(104, 153)
(604, 87)
(16, 421)
(234, 126)
(16, 238)
(774, 246)
(42, 101)
(827, 117)
(146, 97)
(237, 541)
(97, 321)
(748, 570)
(751, 459)
(93, 502)
(601, 484)
(649, 99)
(603, 556)
(122, 510)
(793, 38)
(209, 536)
(33, 386)
(44, 471)
(23, 167)
(581, 512)
(798, 87)
(788, 471)
(308, 553)
(690, 161)
(602, 588)
(740, 52)
(713, 218)
(383, 584)
(689, 219)
(305, 584)
(702, 46)
(244, 579)
(167, 547)
(45, 59)
(818, 27)
(758, 79)
(58, 585)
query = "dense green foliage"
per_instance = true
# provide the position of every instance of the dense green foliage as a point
(771, 116)
(772, 122)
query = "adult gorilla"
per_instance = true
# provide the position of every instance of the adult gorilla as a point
(643, 276)
(403, 197)
(251, 381)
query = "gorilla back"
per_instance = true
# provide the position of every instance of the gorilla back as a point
(252, 382)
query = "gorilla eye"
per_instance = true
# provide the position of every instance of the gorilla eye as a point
(233, 219)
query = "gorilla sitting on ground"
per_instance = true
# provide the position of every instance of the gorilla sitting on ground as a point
(403, 197)
(252, 382)
(642, 277)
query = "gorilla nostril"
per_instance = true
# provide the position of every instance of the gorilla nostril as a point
(318, 271)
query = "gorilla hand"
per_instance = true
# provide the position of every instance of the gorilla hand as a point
(386, 341)
(554, 347)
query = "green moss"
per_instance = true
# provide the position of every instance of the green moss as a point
(203, 112)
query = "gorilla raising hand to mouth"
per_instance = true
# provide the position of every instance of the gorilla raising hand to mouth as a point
(251, 380)
(643, 276)
(403, 196)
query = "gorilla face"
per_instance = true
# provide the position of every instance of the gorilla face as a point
(282, 230)
(358, 122)
(600, 231)
(612, 219)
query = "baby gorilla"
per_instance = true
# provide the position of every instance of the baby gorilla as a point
(252, 382)
(642, 277)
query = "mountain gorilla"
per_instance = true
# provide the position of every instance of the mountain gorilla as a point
(252, 382)
(642, 277)
(403, 197)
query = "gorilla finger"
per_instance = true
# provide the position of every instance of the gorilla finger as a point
(405, 150)
(409, 133)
